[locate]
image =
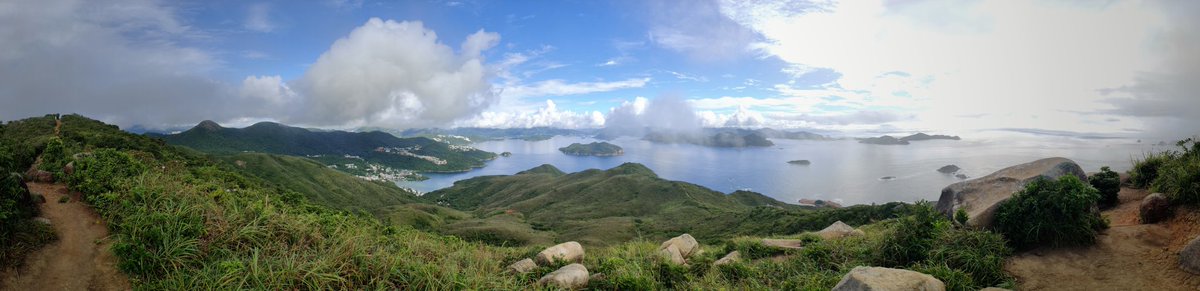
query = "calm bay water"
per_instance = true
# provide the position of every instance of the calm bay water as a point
(842, 170)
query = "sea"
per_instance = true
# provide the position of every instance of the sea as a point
(843, 171)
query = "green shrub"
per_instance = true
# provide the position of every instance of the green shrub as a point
(736, 271)
(100, 171)
(979, 253)
(912, 236)
(1109, 185)
(1051, 212)
(1179, 178)
(961, 217)
(1145, 171)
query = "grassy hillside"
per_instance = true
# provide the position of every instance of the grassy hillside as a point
(320, 184)
(602, 207)
(182, 221)
(268, 137)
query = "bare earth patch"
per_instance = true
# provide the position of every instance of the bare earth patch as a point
(1127, 256)
(79, 260)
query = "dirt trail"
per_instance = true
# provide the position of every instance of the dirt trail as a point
(1128, 256)
(79, 260)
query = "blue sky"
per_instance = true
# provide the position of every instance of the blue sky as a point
(858, 67)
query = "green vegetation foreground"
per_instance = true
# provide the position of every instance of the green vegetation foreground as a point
(183, 221)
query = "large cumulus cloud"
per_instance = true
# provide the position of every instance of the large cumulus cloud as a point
(396, 74)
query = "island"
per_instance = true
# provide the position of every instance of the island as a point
(922, 136)
(890, 140)
(883, 140)
(800, 162)
(724, 139)
(948, 169)
(598, 149)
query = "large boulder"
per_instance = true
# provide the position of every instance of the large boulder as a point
(568, 251)
(732, 257)
(838, 230)
(686, 244)
(672, 255)
(948, 169)
(1189, 257)
(877, 278)
(980, 197)
(573, 276)
(523, 266)
(1154, 208)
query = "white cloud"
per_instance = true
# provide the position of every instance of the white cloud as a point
(562, 88)
(1034, 61)
(258, 18)
(396, 74)
(547, 116)
(120, 62)
(698, 29)
(267, 88)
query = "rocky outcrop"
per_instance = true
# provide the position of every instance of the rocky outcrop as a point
(838, 230)
(523, 266)
(732, 257)
(1154, 208)
(876, 278)
(39, 176)
(1189, 257)
(69, 168)
(678, 249)
(948, 169)
(783, 243)
(568, 251)
(980, 197)
(685, 242)
(573, 276)
(672, 254)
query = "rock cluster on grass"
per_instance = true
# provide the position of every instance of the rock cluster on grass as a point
(981, 197)
(1154, 208)
(731, 257)
(838, 230)
(523, 266)
(877, 278)
(678, 249)
(573, 276)
(1189, 257)
(569, 251)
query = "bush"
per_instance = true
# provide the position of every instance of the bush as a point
(1145, 171)
(1055, 212)
(961, 217)
(955, 280)
(979, 253)
(1109, 185)
(102, 170)
(912, 236)
(1179, 177)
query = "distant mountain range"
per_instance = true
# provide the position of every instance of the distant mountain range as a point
(332, 147)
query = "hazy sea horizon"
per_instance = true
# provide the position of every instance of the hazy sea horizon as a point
(844, 171)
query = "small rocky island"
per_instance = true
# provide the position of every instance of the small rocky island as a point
(949, 169)
(800, 162)
(598, 149)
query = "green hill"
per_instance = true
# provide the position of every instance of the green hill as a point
(600, 206)
(418, 153)
(182, 220)
(320, 184)
(599, 149)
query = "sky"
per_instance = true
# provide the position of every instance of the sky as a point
(1109, 68)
